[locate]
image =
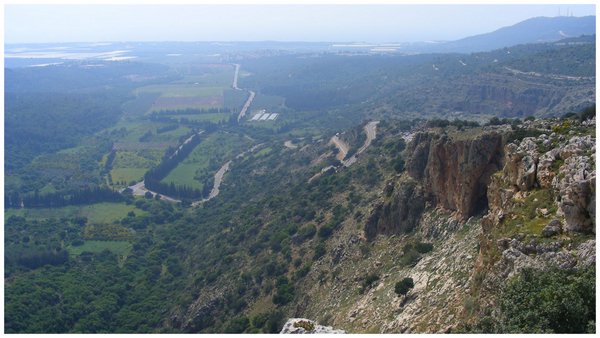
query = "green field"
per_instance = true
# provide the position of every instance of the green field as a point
(215, 79)
(120, 248)
(178, 90)
(184, 174)
(127, 175)
(200, 87)
(95, 213)
(207, 158)
(137, 159)
(132, 165)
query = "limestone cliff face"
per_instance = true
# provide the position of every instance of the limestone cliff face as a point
(451, 173)
(455, 172)
(400, 213)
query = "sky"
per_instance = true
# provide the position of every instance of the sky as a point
(339, 23)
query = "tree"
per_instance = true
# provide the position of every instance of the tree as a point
(403, 286)
(553, 301)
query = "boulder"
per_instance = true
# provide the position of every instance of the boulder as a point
(520, 164)
(303, 325)
(586, 254)
(551, 228)
(545, 174)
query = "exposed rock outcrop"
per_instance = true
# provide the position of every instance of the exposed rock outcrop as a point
(567, 169)
(455, 171)
(303, 325)
(400, 213)
(575, 184)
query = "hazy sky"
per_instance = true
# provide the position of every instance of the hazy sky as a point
(372, 23)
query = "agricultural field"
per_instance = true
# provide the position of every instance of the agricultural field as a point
(200, 87)
(207, 158)
(131, 165)
(95, 213)
(124, 176)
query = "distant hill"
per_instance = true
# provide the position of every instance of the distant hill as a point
(534, 30)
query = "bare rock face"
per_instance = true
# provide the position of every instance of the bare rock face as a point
(521, 164)
(400, 213)
(455, 172)
(303, 325)
(586, 254)
(575, 185)
(545, 174)
(567, 169)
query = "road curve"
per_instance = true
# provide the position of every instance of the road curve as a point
(371, 131)
(342, 146)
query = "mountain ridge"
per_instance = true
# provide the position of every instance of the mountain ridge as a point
(533, 30)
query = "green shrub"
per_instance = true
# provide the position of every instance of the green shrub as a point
(319, 251)
(549, 302)
(368, 282)
(411, 256)
(307, 231)
(326, 231)
(423, 247)
(237, 325)
(308, 326)
(403, 286)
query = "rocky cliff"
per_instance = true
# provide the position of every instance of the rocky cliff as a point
(447, 171)
(401, 210)
(541, 208)
(455, 170)
(535, 184)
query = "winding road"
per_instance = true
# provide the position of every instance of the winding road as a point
(371, 131)
(342, 146)
(139, 189)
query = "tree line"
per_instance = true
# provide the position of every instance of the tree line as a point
(172, 158)
(88, 195)
(193, 111)
(208, 126)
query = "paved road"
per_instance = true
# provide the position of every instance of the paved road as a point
(219, 177)
(139, 189)
(371, 131)
(235, 77)
(246, 105)
(216, 184)
(342, 146)
(235, 86)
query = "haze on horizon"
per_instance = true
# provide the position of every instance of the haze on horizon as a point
(370, 23)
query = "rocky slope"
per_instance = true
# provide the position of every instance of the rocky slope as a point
(303, 325)
(490, 201)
